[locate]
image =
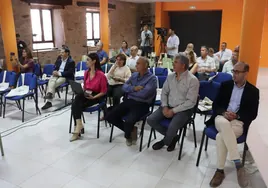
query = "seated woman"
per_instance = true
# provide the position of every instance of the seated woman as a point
(117, 76)
(193, 66)
(124, 49)
(95, 87)
(26, 63)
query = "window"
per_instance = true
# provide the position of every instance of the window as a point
(42, 29)
(93, 27)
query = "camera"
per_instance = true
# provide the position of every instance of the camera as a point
(162, 31)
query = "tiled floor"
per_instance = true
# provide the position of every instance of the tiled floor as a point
(41, 156)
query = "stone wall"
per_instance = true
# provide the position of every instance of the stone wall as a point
(70, 27)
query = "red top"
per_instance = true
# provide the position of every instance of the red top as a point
(98, 83)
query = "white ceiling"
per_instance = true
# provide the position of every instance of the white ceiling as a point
(150, 1)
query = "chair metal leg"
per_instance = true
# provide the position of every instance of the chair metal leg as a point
(206, 146)
(193, 123)
(200, 149)
(1, 146)
(83, 118)
(150, 137)
(36, 105)
(1, 105)
(142, 131)
(4, 110)
(182, 140)
(154, 135)
(58, 93)
(71, 118)
(23, 105)
(66, 94)
(111, 134)
(98, 129)
(244, 153)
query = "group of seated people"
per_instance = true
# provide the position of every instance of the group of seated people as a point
(234, 108)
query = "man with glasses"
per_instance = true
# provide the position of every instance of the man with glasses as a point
(235, 107)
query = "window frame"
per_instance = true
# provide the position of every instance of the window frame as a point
(92, 25)
(43, 41)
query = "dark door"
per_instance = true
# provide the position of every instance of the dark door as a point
(197, 27)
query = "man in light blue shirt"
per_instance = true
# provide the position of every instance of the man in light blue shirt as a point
(140, 92)
(103, 56)
(229, 65)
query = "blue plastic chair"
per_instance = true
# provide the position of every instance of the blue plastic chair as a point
(159, 71)
(31, 81)
(143, 119)
(211, 132)
(108, 65)
(96, 108)
(222, 77)
(208, 89)
(11, 79)
(161, 81)
(81, 66)
(165, 123)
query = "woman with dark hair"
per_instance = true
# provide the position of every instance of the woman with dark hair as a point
(193, 66)
(26, 63)
(95, 88)
(124, 49)
(117, 76)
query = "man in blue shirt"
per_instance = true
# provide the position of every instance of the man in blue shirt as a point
(141, 91)
(101, 53)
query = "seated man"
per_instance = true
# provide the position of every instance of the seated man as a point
(141, 91)
(235, 107)
(229, 65)
(64, 70)
(178, 97)
(132, 60)
(206, 64)
(103, 56)
(224, 55)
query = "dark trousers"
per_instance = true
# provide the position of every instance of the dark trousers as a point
(221, 67)
(132, 110)
(146, 50)
(80, 103)
(116, 92)
(177, 122)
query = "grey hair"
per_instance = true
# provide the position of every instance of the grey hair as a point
(145, 60)
(183, 59)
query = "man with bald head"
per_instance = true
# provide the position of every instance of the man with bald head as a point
(235, 107)
(103, 56)
(132, 60)
(140, 92)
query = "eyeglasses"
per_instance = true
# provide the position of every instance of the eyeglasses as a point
(237, 71)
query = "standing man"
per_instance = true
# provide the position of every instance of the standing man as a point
(235, 107)
(103, 56)
(132, 60)
(146, 41)
(178, 97)
(229, 65)
(224, 55)
(64, 71)
(21, 45)
(172, 44)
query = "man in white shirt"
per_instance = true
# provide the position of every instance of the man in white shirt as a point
(132, 60)
(206, 64)
(146, 41)
(229, 65)
(224, 55)
(172, 44)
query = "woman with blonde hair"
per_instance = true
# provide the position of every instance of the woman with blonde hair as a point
(193, 66)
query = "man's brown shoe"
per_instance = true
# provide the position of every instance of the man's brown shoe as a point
(217, 179)
(242, 177)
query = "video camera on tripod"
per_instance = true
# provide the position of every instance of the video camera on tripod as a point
(162, 32)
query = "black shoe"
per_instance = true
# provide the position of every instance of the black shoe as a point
(47, 106)
(172, 145)
(158, 145)
(49, 96)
